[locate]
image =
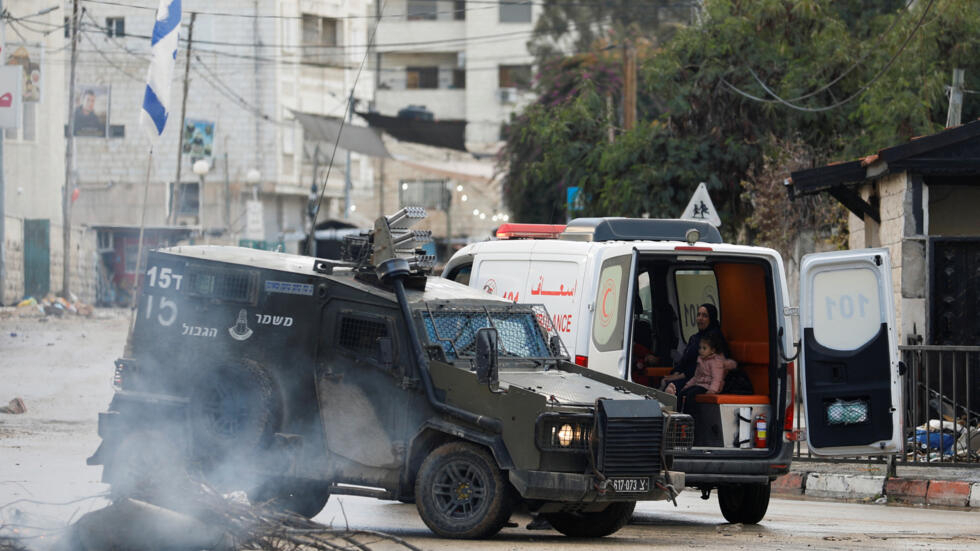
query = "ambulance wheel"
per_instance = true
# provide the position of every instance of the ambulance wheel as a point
(592, 525)
(303, 497)
(234, 409)
(460, 492)
(744, 503)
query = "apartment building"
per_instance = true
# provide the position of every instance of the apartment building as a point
(455, 61)
(251, 65)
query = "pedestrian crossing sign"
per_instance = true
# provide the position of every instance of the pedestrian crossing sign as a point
(701, 208)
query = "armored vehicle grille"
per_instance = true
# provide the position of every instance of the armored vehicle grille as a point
(631, 440)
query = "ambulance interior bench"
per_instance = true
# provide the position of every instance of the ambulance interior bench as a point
(727, 420)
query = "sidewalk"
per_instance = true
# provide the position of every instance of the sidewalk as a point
(915, 484)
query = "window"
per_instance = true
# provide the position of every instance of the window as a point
(321, 40)
(361, 335)
(117, 131)
(694, 288)
(459, 10)
(515, 76)
(429, 194)
(67, 27)
(608, 323)
(115, 26)
(515, 11)
(459, 78)
(846, 308)
(222, 283)
(421, 77)
(187, 199)
(422, 10)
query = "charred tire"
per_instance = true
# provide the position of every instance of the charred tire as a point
(234, 409)
(592, 525)
(745, 503)
(305, 498)
(460, 492)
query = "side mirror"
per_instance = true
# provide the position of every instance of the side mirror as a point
(486, 355)
(554, 345)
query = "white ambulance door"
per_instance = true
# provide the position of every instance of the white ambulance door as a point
(555, 280)
(501, 275)
(612, 310)
(851, 385)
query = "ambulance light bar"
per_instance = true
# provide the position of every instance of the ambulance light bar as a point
(529, 231)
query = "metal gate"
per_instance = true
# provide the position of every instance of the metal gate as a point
(954, 298)
(37, 257)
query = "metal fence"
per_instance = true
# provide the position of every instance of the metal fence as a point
(941, 407)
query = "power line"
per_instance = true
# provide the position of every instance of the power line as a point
(856, 94)
(287, 17)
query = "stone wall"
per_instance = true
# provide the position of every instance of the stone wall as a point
(84, 261)
(13, 236)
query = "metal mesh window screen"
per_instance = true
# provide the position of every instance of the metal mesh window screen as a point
(226, 285)
(521, 334)
(361, 335)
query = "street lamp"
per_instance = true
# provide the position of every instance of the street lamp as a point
(252, 177)
(201, 167)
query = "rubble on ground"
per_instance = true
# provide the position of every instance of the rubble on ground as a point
(52, 305)
(16, 406)
(206, 521)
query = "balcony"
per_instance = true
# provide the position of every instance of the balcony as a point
(445, 103)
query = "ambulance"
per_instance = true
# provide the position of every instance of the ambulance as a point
(619, 288)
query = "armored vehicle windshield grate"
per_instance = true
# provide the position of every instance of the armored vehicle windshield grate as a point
(521, 334)
(223, 284)
(361, 335)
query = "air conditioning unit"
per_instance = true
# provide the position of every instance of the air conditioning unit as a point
(507, 95)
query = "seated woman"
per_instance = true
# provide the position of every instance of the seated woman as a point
(707, 322)
(709, 376)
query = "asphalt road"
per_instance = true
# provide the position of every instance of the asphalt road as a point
(61, 368)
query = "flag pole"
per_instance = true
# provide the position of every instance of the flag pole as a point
(139, 255)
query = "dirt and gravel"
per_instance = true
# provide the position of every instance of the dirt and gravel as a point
(62, 367)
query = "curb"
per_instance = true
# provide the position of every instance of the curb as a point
(906, 491)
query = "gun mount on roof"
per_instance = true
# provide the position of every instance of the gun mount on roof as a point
(637, 229)
(392, 239)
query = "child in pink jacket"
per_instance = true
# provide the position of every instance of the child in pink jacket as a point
(709, 377)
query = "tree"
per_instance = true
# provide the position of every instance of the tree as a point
(754, 83)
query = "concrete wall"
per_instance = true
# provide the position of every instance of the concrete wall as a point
(896, 232)
(13, 234)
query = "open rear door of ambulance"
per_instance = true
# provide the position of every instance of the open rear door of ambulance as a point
(612, 310)
(851, 384)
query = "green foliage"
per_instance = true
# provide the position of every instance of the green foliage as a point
(694, 126)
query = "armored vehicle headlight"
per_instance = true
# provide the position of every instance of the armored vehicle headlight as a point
(565, 435)
(564, 432)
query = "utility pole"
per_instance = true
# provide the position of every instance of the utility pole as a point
(314, 205)
(3, 212)
(347, 180)
(76, 13)
(629, 86)
(955, 99)
(175, 195)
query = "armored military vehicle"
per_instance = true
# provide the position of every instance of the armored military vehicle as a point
(294, 378)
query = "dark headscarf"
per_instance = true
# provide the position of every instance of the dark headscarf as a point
(689, 360)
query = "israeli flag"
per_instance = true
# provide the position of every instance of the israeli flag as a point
(156, 100)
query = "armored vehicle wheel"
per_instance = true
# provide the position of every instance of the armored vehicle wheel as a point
(745, 503)
(303, 497)
(149, 466)
(234, 409)
(460, 492)
(592, 525)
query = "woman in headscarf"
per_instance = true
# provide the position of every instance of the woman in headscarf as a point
(707, 322)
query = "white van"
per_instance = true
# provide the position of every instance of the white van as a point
(610, 283)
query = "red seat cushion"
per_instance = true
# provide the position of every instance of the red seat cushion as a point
(732, 399)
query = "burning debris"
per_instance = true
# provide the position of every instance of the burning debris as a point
(209, 521)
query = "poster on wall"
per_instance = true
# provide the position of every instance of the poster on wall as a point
(91, 112)
(28, 57)
(198, 139)
(10, 97)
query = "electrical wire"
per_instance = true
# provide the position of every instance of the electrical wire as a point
(343, 121)
(837, 104)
